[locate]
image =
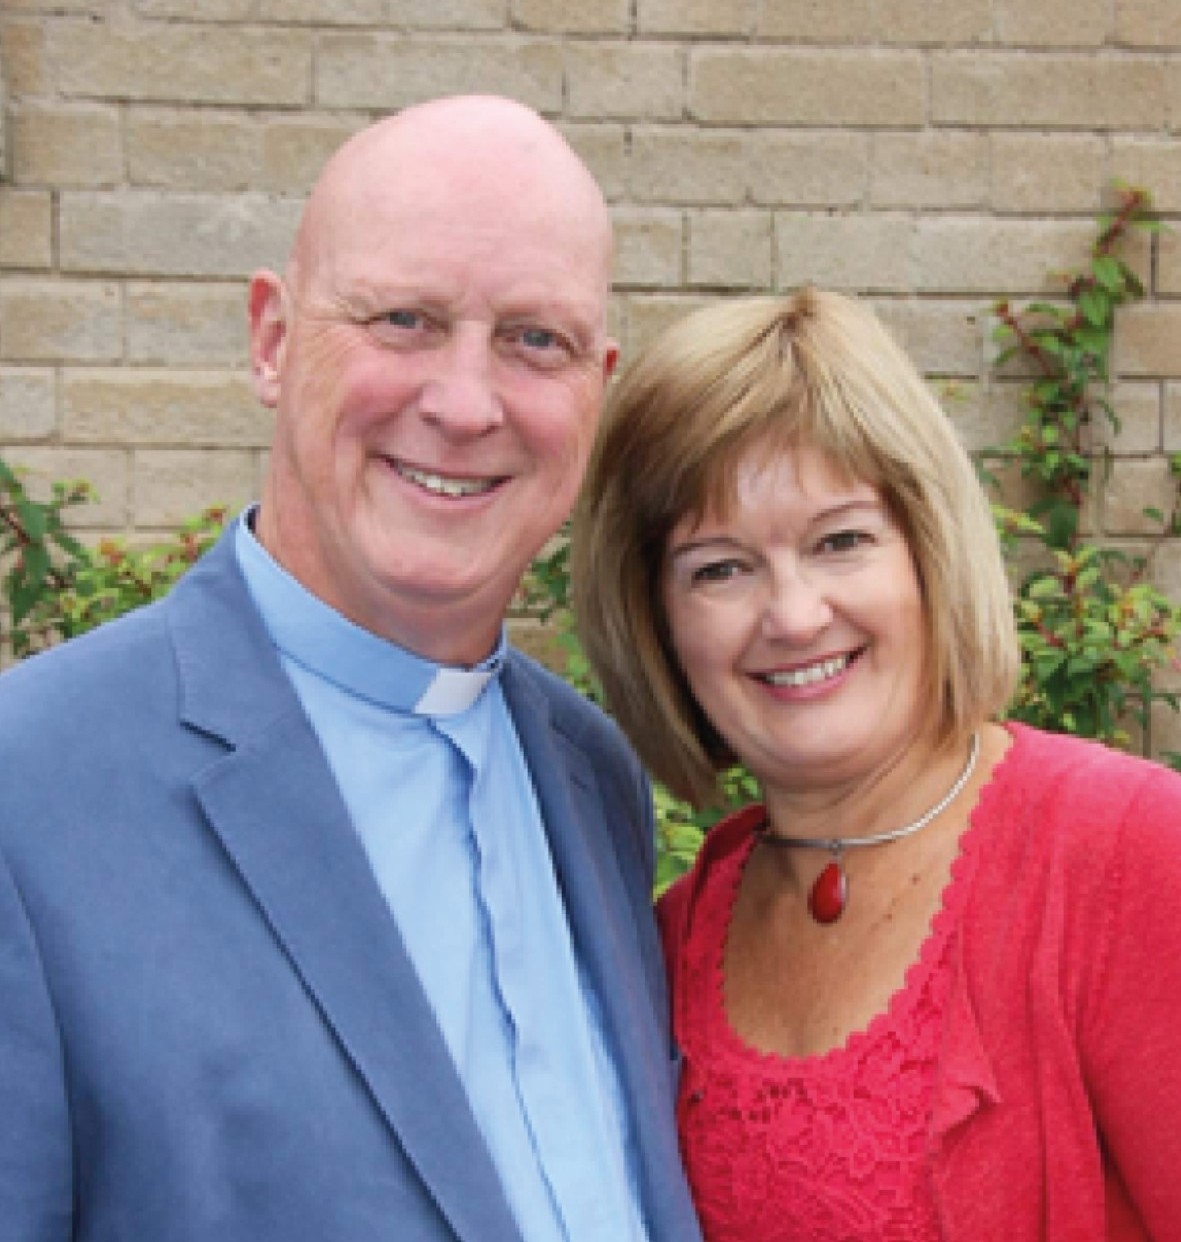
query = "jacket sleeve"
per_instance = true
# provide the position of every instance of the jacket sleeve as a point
(1130, 1032)
(36, 1189)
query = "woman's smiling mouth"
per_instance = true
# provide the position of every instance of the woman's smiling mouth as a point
(810, 674)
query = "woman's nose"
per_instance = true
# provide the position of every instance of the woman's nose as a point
(796, 606)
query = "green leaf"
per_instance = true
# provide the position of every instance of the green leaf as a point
(1095, 306)
(33, 518)
(1109, 273)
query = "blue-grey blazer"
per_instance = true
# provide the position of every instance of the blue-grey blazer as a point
(209, 1026)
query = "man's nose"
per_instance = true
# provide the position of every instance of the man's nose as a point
(459, 394)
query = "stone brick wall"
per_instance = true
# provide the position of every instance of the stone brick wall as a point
(932, 154)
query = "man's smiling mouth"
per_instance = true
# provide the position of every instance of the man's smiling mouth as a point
(443, 484)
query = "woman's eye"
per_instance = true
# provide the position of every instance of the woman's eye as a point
(716, 571)
(843, 541)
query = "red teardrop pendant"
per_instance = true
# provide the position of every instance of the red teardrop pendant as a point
(829, 895)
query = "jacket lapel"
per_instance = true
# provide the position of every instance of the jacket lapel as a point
(608, 929)
(273, 803)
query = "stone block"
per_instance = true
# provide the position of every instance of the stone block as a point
(898, 22)
(930, 170)
(985, 416)
(47, 320)
(604, 149)
(1054, 23)
(1148, 340)
(980, 254)
(163, 407)
(188, 64)
(647, 315)
(1165, 726)
(170, 486)
(1153, 164)
(144, 233)
(209, 10)
(325, 12)
(193, 149)
(1133, 486)
(1166, 572)
(1017, 492)
(731, 250)
(1137, 406)
(1169, 263)
(296, 148)
(104, 469)
(697, 18)
(858, 253)
(461, 15)
(793, 86)
(376, 71)
(28, 404)
(941, 336)
(807, 168)
(173, 323)
(26, 229)
(572, 16)
(206, 150)
(56, 8)
(25, 57)
(629, 80)
(817, 21)
(66, 145)
(648, 247)
(1069, 90)
(1172, 418)
(1149, 23)
(679, 166)
(1047, 173)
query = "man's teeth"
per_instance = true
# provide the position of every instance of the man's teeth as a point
(808, 676)
(441, 485)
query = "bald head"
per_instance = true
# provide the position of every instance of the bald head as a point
(494, 153)
(436, 356)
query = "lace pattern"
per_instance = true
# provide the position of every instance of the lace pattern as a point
(819, 1149)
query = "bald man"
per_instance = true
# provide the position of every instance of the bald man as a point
(324, 914)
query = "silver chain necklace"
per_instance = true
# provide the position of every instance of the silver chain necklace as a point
(829, 895)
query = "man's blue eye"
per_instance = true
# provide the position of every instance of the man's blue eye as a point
(402, 318)
(538, 338)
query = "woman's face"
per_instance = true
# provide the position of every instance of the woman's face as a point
(798, 620)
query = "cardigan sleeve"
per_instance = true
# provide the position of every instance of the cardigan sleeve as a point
(1130, 1032)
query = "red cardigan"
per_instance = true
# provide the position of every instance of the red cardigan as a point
(1057, 1112)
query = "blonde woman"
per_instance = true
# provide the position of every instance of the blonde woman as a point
(929, 986)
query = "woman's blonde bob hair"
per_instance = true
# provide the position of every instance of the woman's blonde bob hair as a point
(814, 370)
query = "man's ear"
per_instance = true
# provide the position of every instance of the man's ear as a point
(268, 310)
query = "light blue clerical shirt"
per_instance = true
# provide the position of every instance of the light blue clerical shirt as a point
(431, 770)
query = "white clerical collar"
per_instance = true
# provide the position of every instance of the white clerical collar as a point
(319, 638)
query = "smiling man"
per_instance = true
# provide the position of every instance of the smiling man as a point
(340, 926)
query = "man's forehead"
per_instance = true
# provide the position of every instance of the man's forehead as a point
(393, 183)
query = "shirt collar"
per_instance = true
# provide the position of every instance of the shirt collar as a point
(322, 640)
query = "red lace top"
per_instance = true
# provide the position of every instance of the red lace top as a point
(831, 1148)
